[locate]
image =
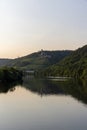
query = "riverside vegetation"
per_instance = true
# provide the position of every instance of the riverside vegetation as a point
(10, 74)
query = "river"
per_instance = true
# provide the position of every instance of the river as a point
(43, 104)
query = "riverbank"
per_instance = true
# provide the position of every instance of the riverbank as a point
(8, 74)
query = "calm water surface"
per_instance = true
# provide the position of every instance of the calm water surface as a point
(39, 104)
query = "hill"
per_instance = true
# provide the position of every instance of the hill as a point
(74, 65)
(3, 62)
(38, 60)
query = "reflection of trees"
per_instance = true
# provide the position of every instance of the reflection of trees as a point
(42, 87)
(5, 87)
(75, 88)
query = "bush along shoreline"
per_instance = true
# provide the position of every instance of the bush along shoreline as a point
(8, 74)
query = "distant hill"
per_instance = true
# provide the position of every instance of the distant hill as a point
(4, 62)
(74, 65)
(39, 60)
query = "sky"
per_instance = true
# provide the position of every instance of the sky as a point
(27, 26)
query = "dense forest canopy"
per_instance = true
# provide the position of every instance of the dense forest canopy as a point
(74, 65)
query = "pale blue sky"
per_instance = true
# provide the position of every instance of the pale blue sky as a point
(30, 25)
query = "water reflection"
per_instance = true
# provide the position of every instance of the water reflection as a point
(43, 87)
(74, 88)
(6, 87)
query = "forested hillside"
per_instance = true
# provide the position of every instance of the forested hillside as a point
(38, 60)
(74, 65)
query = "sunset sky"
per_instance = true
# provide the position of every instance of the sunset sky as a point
(31, 25)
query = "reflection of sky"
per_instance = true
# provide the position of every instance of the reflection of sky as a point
(30, 25)
(22, 109)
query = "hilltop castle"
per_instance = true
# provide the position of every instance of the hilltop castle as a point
(44, 54)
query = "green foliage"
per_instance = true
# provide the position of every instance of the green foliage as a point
(74, 65)
(10, 74)
(38, 60)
